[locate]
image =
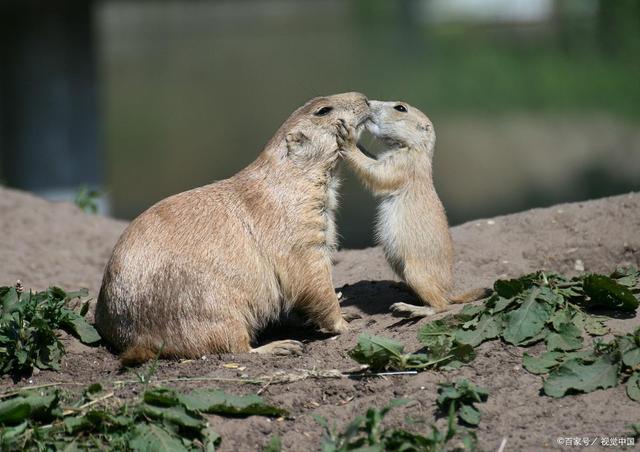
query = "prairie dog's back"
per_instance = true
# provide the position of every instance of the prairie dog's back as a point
(188, 230)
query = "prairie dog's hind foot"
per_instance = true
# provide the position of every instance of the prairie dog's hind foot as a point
(412, 311)
(284, 347)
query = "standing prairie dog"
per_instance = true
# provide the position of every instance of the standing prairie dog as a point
(411, 222)
(205, 270)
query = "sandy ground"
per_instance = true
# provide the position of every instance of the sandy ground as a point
(44, 244)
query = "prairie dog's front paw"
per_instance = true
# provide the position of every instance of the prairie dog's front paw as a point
(346, 137)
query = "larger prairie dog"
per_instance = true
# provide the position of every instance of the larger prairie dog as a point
(411, 224)
(203, 271)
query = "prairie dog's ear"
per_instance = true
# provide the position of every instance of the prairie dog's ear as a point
(295, 140)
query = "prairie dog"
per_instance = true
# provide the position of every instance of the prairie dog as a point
(411, 223)
(203, 271)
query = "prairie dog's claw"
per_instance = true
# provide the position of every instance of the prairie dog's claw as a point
(346, 136)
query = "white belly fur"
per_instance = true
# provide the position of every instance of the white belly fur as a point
(389, 231)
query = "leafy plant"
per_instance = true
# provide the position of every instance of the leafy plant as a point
(29, 324)
(441, 342)
(603, 366)
(214, 401)
(535, 307)
(460, 397)
(162, 419)
(380, 353)
(86, 199)
(559, 311)
(367, 433)
(547, 306)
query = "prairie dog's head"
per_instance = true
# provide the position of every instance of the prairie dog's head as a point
(398, 125)
(309, 134)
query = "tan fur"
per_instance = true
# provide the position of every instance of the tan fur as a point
(203, 271)
(411, 225)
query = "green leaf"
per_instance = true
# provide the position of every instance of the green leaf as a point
(56, 293)
(594, 326)
(551, 297)
(633, 387)
(377, 352)
(544, 332)
(28, 404)
(526, 321)
(629, 349)
(559, 318)
(219, 402)
(81, 329)
(607, 293)
(463, 353)
(487, 328)
(14, 411)
(432, 331)
(73, 424)
(440, 346)
(461, 396)
(502, 304)
(152, 438)
(211, 439)
(509, 288)
(542, 364)
(567, 338)
(469, 311)
(177, 415)
(628, 277)
(470, 415)
(9, 300)
(577, 376)
(162, 397)
(8, 435)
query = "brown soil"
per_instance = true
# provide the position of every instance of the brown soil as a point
(44, 244)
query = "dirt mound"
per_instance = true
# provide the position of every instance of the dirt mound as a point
(44, 243)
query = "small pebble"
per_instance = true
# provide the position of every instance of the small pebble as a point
(579, 265)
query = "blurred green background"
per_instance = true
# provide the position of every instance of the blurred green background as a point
(534, 102)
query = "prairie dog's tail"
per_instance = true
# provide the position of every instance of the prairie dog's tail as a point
(472, 295)
(136, 355)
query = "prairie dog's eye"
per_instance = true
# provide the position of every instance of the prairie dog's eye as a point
(401, 108)
(323, 111)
